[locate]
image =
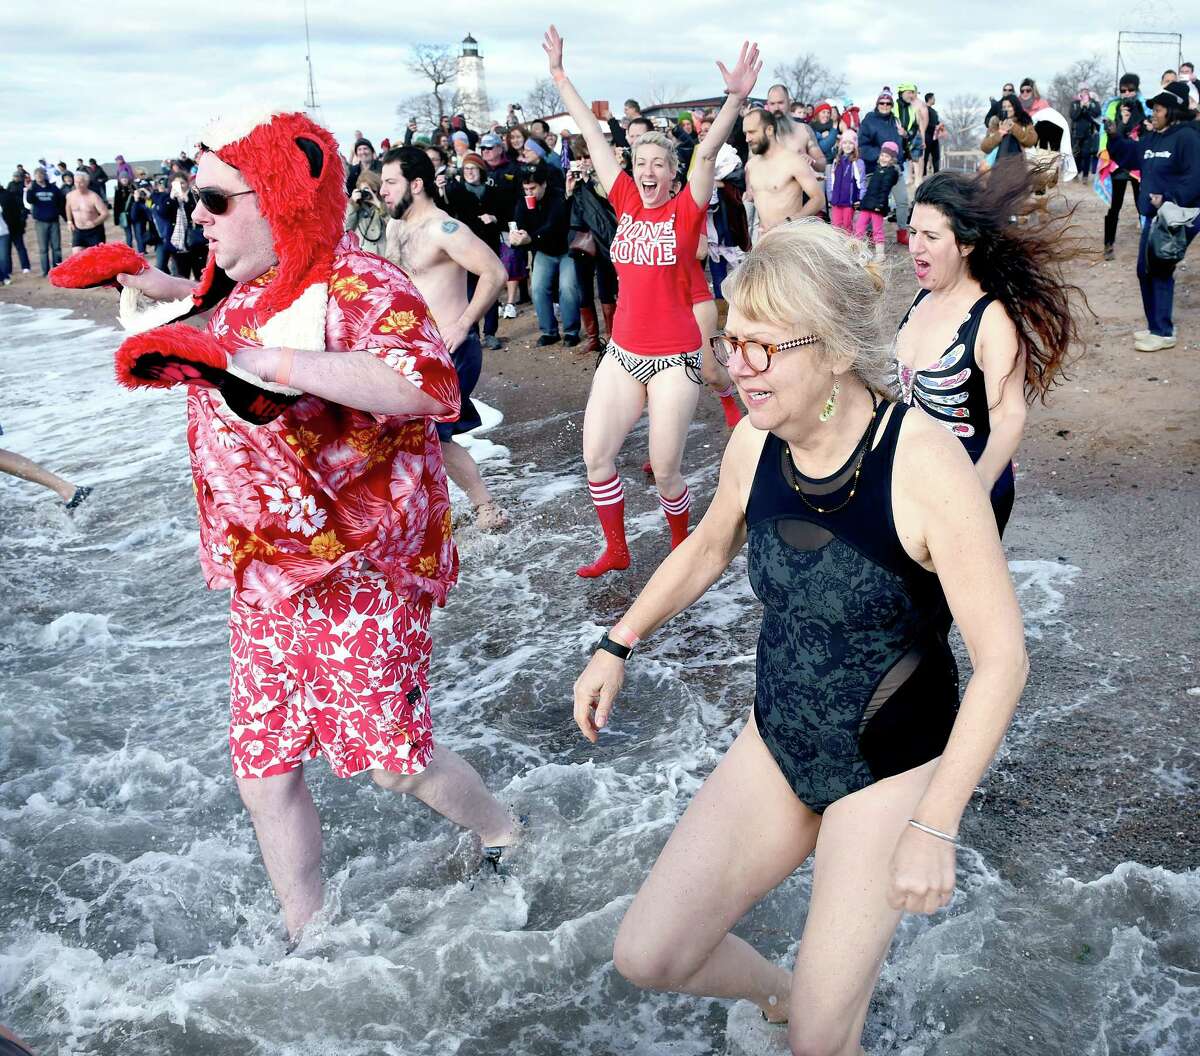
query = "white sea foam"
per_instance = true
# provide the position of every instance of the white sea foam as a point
(137, 917)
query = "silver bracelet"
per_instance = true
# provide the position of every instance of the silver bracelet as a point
(934, 832)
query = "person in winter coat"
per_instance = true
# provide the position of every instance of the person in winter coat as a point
(1169, 159)
(14, 213)
(1085, 119)
(1127, 112)
(847, 182)
(1011, 133)
(122, 199)
(365, 213)
(825, 130)
(592, 214)
(878, 127)
(480, 205)
(874, 205)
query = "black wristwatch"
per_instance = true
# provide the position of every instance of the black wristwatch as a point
(609, 646)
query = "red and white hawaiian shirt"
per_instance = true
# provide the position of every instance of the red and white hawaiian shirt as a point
(282, 505)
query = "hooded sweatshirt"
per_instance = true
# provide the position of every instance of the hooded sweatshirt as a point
(1170, 164)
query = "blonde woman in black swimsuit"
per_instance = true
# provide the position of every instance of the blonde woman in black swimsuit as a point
(864, 520)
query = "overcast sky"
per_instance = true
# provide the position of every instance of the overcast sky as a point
(140, 79)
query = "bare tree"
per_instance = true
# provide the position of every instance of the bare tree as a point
(543, 100)
(963, 118)
(424, 108)
(1091, 73)
(808, 80)
(437, 64)
(659, 91)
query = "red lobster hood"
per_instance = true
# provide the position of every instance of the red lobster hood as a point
(293, 165)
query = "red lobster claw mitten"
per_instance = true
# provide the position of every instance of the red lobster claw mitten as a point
(182, 355)
(98, 266)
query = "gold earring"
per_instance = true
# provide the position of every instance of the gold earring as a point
(830, 408)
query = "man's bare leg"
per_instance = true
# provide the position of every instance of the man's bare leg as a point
(451, 787)
(19, 466)
(289, 837)
(463, 470)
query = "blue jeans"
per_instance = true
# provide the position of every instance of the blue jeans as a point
(546, 272)
(1157, 280)
(49, 240)
(5, 257)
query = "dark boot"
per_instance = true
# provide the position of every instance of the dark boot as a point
(587, 316)
(610, 312)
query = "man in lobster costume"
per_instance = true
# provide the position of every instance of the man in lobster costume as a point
(312, 394)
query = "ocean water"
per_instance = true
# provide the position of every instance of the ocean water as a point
(136, 917)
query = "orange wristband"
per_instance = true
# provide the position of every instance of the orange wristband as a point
(283, 366)
(628, 635)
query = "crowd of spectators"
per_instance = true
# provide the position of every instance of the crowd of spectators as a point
(529, 192)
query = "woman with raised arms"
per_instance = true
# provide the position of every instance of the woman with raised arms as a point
(655, 350)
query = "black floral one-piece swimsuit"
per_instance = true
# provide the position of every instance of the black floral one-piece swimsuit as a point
(854, 680)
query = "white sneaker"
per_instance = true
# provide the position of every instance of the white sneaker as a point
(1138, 334)
(24, 271)
(508, 311)
(8, 282)
(880, 253)
(1153, 343)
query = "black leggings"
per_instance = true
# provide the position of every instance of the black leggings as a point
(1119, 181)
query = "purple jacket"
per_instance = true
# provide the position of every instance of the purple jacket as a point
(847, 181)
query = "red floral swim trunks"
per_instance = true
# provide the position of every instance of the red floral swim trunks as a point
(339, 668)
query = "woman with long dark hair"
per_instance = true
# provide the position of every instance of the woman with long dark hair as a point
(994, 321)
(514, 141)
(1010, 133)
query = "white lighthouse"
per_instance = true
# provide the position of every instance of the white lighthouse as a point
(470, 89)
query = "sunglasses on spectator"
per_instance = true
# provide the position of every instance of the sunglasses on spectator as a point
(1008, 88)
(755, 354)
(216, 202)
(1027, 91)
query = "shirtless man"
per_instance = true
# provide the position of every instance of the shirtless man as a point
(911, 105)
(86, 213)
(438, 252)
(777, 176)
(799, 136)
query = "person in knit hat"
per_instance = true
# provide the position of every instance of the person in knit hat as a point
(846, 182)
(323, 501)
(878, 127)
(873, 208)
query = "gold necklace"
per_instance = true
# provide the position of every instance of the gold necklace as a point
(864, 447)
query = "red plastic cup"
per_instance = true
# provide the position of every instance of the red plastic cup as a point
(531, 202)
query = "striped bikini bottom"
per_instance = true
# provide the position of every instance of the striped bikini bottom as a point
(643, 368)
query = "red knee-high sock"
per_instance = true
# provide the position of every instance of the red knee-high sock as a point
(733, 413)
(609, 497)
(677, 511)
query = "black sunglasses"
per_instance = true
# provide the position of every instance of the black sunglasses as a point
(216, 202)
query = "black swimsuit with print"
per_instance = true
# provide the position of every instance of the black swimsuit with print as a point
(854, 679)
(954, 392)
